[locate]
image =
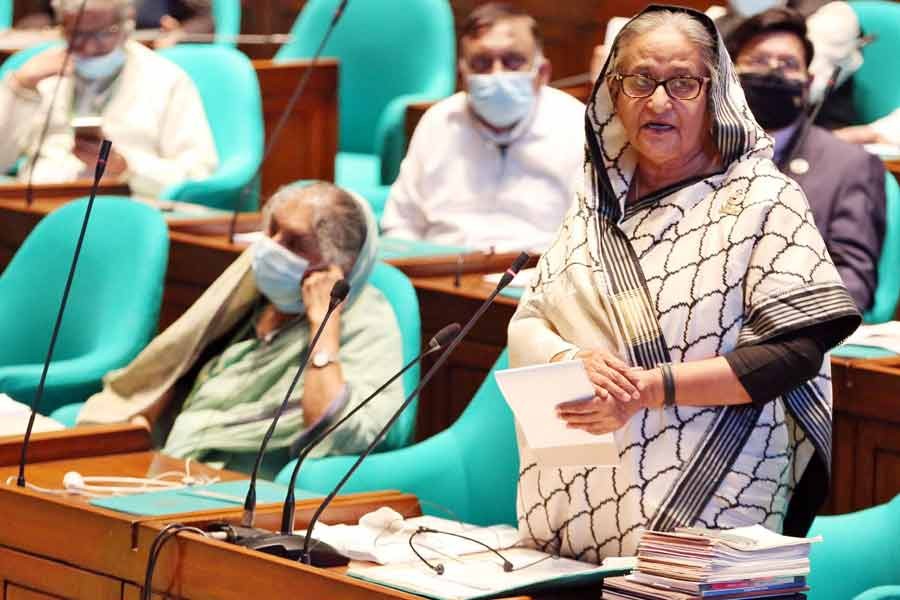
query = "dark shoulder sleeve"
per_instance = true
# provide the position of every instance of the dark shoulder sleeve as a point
(772, 368)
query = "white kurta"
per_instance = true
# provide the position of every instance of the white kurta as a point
(457, 186)
(154, 118)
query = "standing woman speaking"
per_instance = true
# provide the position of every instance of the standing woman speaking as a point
(689, 277)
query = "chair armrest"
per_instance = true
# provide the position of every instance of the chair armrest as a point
(390, 134)
(882, 592)
(219, 190)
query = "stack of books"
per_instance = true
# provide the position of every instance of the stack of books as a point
(694, 564)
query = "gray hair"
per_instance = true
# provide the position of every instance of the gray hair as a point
(125, 8)
(337, 220)
(682, 22)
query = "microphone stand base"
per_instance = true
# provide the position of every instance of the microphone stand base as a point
(291, 547)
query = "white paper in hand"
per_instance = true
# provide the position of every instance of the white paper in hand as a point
(533, 393)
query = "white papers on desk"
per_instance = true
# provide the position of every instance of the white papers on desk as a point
(883, 151)
(533, 393)
(481, 575)
(883, 335)
(381, 546)
(14, 418)
(522, 278)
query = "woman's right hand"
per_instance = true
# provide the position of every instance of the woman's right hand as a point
(612, 378)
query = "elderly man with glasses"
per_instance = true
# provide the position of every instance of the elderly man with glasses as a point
(109, 87)
(494, 165)
(843, 183)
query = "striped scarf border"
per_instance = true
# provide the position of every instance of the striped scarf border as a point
(711, 461)
(811, 411)
(813, 304)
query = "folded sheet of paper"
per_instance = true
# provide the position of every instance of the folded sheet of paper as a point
(521, 280)
(533, 393)
(14, 418)
(390, 545)
(482, 576)
(882, 335)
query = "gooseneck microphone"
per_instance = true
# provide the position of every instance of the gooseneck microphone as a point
(29, 189)
(282, 120)
(338, 293)
(287, 544)
(438, 342)
(508, 276)
(36, 401)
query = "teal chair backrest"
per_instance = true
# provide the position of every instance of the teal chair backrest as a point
(858, 552)
(21, 57)
(113, 305)
(6, 14)
(401, 294)
(387, 49)
(227, 17)
(887, 293)
(875, 88)
(231, 98)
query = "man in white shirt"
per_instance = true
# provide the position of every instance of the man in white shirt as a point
(498, 164)
(147, 106)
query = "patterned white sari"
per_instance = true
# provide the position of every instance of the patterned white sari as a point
(688, 273)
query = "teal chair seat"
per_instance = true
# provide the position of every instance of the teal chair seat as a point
(379, 78)
(875, 89)
(468, 471)
(858, 552)
(229, 89)
(113, 304)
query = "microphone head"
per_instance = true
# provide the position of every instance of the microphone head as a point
(339, 291)
(105, 147)
(444, 336)
(514, 268)
(521, 261)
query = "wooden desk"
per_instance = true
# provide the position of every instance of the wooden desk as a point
(308, 143)
(62, 547)
(54, 546)
(894, 167)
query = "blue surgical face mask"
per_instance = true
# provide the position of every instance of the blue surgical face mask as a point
(278, 273)
(100, 67)
(502, 99)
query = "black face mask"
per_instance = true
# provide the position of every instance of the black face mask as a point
(776, 102)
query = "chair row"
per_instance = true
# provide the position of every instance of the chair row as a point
(378, 78)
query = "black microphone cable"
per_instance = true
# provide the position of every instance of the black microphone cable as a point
(507, 277)
(338, 292)
(282, 120)
(29, 189)
(440, 340)
(36, 401)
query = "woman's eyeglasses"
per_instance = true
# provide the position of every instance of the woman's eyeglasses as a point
(683, 87)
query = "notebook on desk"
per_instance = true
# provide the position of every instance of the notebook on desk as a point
(394, 248)
(214, 496)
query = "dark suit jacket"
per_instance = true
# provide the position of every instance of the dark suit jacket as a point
(845, 188)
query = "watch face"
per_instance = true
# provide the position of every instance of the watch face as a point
(320, 359)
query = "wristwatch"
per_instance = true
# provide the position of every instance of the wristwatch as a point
(322, 359)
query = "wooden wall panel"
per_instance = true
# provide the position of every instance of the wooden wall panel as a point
(27, 577)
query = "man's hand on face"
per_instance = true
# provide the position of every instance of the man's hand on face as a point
(46, 64)
(87, 149)
(316, 292)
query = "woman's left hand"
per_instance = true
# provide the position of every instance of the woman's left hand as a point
(605, 415)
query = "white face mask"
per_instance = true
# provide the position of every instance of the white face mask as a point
(100, 67)
(749, 8)
(502, 99)
(278, 273)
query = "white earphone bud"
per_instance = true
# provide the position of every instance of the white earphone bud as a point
(73, 481)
